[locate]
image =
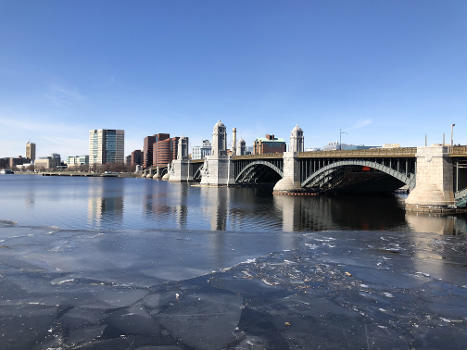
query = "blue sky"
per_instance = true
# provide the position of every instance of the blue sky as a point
(384, 71)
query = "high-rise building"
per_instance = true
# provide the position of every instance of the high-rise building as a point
(269, 144)
(148, 148)
(136, 157)
(165, 151)
(31, 151)
(106, 146)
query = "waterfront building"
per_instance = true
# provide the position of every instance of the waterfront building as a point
(73, 161)
(4, 163)
(43, 163)
(128, 160)
(14, 161)
(31, 151)
(136, 157)
(269, 144)
(165, 151)
(106, 146)
(148, 151)
(56, 159)
(148, 148)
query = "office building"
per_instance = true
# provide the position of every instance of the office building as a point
(31, 151)
(165, 151)
(269, 144)
(106, 146)
(13, 162)
(148, 148)
(73, 161)
(136, 157)
(200, 152)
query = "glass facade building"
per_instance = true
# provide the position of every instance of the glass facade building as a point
(106, 146)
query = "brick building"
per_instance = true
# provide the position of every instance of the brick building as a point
(136, 157)
(165, 151)
(269, 144)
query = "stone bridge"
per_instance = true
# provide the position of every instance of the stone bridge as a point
(435, 175)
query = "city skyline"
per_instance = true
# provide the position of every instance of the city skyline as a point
(259, 67)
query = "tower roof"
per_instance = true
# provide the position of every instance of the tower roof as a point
(218, 125)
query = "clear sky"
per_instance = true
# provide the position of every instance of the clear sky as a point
(383, 71)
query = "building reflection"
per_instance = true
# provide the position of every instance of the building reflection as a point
(105, 201)
(166, 201)
(215, 203)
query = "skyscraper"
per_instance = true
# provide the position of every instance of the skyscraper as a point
(31, 150)
(106, 146)
(148, 148)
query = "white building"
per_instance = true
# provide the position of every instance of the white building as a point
(200, 152)
(77, 160)
(106, 146)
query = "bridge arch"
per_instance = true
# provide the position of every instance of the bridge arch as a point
(197, 174)
(408, 179)
(250, 166)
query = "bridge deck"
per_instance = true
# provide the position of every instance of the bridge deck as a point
(401, 152)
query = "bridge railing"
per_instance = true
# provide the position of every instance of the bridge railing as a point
(458, 151)
(402, 152)
(259, 156)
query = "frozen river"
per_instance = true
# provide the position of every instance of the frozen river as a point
(109, 263)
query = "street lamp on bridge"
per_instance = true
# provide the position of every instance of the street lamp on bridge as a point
(340, 138)
(452, 133)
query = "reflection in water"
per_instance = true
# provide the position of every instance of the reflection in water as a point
(344, 212)
(105, 201)
(216, 203)
(147, 204)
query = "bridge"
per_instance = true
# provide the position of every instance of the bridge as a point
(434, 176)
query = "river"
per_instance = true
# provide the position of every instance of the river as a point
(128, 263)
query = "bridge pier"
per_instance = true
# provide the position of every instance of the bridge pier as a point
(157, 175)
(290, 182)
(217, 171)
(180, 171)
(433, 191)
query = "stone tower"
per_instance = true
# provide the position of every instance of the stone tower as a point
(297, 143)
(182, 151)
(219, 140)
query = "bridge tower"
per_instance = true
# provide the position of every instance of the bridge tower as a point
(433, 191)
(291, 179)
(218, 168)
(180, 169)
(219, 140)
(297, 143)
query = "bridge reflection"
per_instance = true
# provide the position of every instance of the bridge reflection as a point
(254, 209)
